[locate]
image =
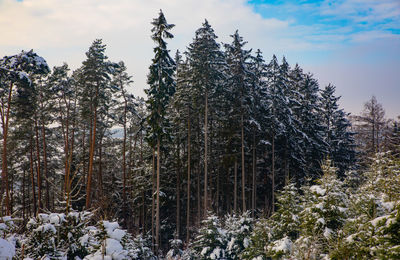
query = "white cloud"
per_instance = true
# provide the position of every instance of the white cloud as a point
(62, 30)
(55, 28)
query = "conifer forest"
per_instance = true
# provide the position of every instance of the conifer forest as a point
(232, 155)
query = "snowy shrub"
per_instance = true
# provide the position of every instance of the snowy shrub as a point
(273, 237)
(56, 235)
(373, 229)
(175, 251)
(109, 241)
(238, 231)
(211, 242)
(139, 247)
(259, 239)
(227, 240)
(285, 221)
(323, 214)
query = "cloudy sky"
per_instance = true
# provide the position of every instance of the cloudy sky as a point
(353, 44)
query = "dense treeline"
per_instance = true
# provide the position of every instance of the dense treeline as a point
(221, 130)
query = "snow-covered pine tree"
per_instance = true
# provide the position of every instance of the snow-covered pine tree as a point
(15, 80)
(161, 87)
(324, 211)
(205, 66)
(240, 84)
(337, 134)
(95, 97)
(315, 148)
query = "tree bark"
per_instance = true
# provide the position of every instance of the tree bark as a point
(45, 167)
(188, 181)
(158, 197)
(243, 175)
(32, 176)
(5, 115)
(153, 200)
(38, 168)
(205, 153)
(235, 189)
(253, 199)
(91, 156)
(123, 151)
(273, 175)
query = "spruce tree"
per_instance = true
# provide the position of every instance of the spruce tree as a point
(161, 88)
(205, 61)
(240, 83)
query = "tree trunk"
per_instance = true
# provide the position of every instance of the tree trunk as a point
(91, 157)
(32, 176)
(253, 195)
(4, 173)
(38, 168)
(273, 175)
(205, 154)
(45, 167)
(100, 169)
(158, 197)
(153, 200)
(178, 191)
(235, 188)
(123, 154)
(188, 182)
(243, 175)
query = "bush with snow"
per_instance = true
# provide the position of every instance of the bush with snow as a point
(56, 235)
(225, 239)
(210, 243)
(325, 208)
(238, 231)
(175, 252)
(109, 241)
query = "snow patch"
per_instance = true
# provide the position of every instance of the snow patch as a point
(283, 245)
(7, 249)
(317, 189)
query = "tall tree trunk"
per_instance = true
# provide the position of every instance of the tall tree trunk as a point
(38, 167)
(153, 200)
(45, 167)
(5, 115)
(32, 176)
(91, 157)
(188, 181)
(100, 171)
(158, 197)
(205, 154)
(178, 195)
(243, 175)
(273, 174)
(287, 177)
(123, 154)
(235, 188)
(23, 195)
(253, 194)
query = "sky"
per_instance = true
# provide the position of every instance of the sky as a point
(353, 44)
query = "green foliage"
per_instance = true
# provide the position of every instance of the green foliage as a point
(210, 243)
(238, 231)
(56, 235)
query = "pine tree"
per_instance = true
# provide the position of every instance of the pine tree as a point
(95, 76)
(239, 86)
(162, 87)
(337, 135)
(15, 74)
(205, 61)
